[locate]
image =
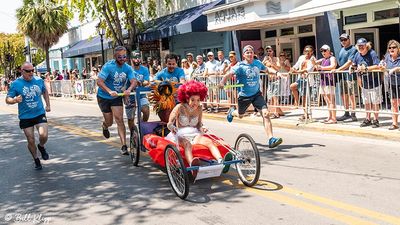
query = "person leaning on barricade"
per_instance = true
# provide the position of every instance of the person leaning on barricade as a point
(391, 64)
(211, 73)
(201, 66)
(348, 86)
(365, 61)
(327, 83)
(303, 66)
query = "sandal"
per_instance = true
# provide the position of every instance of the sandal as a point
(274, 116)
(331, 122)
(393, 127)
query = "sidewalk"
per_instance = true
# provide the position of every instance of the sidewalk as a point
(291, 121)
(348, 128)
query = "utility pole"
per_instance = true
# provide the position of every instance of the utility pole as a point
(28, 45)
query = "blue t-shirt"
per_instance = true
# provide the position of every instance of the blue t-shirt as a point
(142, 74)
(175, 76)
(345, 55)
(31, 92)
(249, 76)
(115, 77)
(370, 79)
(390, 64)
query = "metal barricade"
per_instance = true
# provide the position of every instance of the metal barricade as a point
(81, 89)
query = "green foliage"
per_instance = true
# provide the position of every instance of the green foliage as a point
(44, 22)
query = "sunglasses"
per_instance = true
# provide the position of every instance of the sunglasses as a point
(269, 51)
(392, 47)
(121, 57)
(343, 40)
(28, 71)
(324, 50)
(282, 56)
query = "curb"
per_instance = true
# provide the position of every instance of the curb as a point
(318, 127)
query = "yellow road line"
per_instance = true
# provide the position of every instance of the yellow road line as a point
(329, 213)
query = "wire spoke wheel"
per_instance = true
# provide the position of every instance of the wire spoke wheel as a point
(247, 151)
(176, 171)
(134, 146)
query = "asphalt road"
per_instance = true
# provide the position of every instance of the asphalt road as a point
(312, 178)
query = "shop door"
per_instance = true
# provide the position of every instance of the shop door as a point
(371, 34)
(289, 46)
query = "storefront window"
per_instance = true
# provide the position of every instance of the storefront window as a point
(386, 14)
(360, 18)
(270, 33)
(287, 31)
(305, 28)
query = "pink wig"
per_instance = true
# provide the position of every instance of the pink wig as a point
(191, 88)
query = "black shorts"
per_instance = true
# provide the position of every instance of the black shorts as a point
(106, 104)
(394, 91)
(256, 100)
(25, 123)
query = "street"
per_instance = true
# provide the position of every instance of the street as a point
(312, 178)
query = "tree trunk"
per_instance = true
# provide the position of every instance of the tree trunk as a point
(46, 50)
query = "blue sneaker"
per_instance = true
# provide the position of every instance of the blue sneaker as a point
(229, 117)
(274, 142)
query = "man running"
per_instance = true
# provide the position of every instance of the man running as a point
(248, 73)
(112, 80)
(27, 91)
(143, 79)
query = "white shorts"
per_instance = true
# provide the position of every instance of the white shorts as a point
(372, 96)
(131, 110)
(326, 90)
(189, 133)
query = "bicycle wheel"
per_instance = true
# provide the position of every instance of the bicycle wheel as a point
(134, 146)
(176, 171)
(249, 169)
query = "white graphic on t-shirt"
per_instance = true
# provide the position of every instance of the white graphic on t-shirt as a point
(30, 94)
(119, 81)
(251, 74)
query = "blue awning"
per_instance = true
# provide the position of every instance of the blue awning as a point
(186, 21)
(87, 46)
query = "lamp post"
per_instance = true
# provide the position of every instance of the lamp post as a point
(33, 54)
(101, 31)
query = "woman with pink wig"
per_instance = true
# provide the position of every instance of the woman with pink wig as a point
(185, 122)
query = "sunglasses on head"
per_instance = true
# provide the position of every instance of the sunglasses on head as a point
(121, 57)
(392, 47)
(28, 71)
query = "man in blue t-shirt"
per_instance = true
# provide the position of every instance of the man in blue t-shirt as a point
(367, 60)
(348, 85)
(172, 72)
(112, 81)
(248, 73)
(143, 79)
(27, 91)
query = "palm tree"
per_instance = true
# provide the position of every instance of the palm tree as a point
(44, 22)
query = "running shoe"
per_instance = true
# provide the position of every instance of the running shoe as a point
(375, 123)
(366, 123)
(106, 133)
(38, 165)
(124, 150)
(42, 150)
(353, 117)
(229, 117)
(274, 142)
(228, 157)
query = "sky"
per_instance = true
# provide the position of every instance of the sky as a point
(8, 20)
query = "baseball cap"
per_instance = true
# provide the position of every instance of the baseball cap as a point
(247, 47)
(189, 54)
(135, 55)
(210, 53)
(268, 47)
(184, 60)
(362, 41)
(345, 36)
(325, 47)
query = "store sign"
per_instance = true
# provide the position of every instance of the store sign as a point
(273, 7)
(149, 45)
(229, 15)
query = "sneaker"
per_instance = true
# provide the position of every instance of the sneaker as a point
(366, 123)
(38, 165)
(229, 117)
(42, 150)
(344, 117)
(195, 162)
(375, 123)
(216, 110)
(124, 150)
(209, 110)
(106, 133)
(228, 157)
(353, 117)
(274, 142)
